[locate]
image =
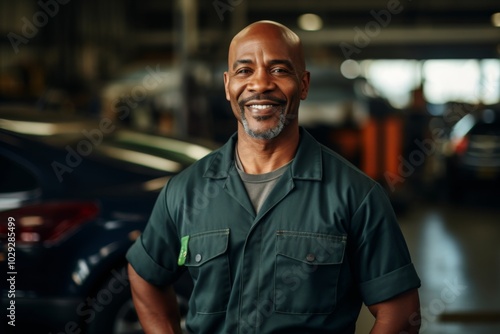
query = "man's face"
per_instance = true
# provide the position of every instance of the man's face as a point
(264, 84)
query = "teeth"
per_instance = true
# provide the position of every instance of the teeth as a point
(260, 106)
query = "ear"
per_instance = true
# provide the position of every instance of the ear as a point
(226, 85)
(304, 85)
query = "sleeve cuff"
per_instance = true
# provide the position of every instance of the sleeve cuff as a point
(390, 285)
(146, 267)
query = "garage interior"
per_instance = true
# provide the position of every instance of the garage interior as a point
(393, 78)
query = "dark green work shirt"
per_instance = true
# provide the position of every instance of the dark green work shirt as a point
(325, 240)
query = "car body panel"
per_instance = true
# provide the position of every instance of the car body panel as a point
(69, 282)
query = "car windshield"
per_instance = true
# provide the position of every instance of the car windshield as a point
(134, 147)
(124, 144)
(83, 156)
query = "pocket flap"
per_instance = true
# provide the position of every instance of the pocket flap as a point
(312, 248)
(203, 247)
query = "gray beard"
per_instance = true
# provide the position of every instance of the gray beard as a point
(268, 134)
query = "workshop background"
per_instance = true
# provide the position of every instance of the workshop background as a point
(407, 90)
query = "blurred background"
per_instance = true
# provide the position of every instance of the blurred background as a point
(116, 96)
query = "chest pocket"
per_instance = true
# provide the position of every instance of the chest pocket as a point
(208, 265)
(307, 272)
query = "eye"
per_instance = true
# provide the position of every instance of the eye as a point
(280, 70)
(242, 71)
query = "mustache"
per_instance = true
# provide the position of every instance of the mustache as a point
(267, 97)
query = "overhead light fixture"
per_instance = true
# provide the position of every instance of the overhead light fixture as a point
(495, 20)
(350, 69)
(310, 22)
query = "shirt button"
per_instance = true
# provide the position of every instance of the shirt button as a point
(310, 257)
(197, 258)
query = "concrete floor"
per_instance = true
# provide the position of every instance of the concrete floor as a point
(456, 251)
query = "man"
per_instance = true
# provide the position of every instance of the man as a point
(279, 234)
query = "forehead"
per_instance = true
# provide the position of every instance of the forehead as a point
(258, 48)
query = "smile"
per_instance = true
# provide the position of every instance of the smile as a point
(260, 106)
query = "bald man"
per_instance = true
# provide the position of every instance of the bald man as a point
(279, 233)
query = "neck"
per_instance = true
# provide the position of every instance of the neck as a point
(259, 156)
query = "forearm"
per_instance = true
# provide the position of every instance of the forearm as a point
(398, 315)
(396, 327)
(156, 308)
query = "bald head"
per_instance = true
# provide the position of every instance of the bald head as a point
(273, 31)
(266, 80)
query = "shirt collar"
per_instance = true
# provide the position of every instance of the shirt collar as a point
(307, 164)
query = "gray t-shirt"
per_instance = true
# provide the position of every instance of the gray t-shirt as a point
(259, 186)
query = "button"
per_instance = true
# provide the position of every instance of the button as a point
(197, 258)
(310, 257)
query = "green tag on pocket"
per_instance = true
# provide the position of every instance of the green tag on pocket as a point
(184, 250)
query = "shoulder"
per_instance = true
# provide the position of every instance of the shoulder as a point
(343, 171)
(212, 166)
(195, 171)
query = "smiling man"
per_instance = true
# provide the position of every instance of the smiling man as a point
(279, 234)
(266, 85)
(265, 81)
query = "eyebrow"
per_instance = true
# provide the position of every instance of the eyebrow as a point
(271, 62)
(241, 61)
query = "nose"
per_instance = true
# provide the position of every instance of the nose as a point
(261, 81)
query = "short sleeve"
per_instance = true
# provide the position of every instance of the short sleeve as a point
(154, 254)
(378, 250)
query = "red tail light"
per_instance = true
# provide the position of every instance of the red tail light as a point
(461, 145)
(47, 222)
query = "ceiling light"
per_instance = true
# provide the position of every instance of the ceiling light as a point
(310, 22)
(350, 69)
(495, 20)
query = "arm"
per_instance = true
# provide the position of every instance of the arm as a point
(400, 314)
(157, 308)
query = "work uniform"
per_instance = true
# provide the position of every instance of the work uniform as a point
(324, 241)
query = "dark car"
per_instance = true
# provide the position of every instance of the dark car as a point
(72, 201)
(474, 152)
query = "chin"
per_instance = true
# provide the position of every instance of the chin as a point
(266, 134)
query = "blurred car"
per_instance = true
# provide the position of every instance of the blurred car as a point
(473, 152)
(165, 97)
(76, 194)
